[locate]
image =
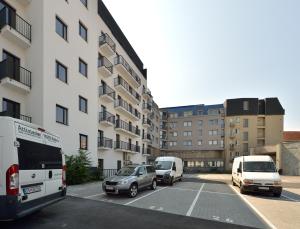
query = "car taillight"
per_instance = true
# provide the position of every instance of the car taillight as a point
(64, 175)
(12, 180)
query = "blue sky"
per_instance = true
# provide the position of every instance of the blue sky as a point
(204, 51)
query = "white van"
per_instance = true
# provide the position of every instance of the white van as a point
(168, 169)
(256, 174)
(32, 169)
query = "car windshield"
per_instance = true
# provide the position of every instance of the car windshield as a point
(126, 171)
(163, 165)
(259, 166)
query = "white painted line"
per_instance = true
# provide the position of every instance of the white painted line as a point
(99, 194)
(195, 201)
(184, 189)
(221, 193)
(254, 209)
(290, 198)
(158, 190)
(72, 194)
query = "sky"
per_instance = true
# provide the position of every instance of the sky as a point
(206, 51)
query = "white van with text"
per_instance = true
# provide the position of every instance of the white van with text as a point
(168, 169)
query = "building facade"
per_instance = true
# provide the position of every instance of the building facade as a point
(67, 66)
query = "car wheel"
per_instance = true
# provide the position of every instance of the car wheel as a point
(153, 185)
(133, 190)
(277, 194)
(171, 181)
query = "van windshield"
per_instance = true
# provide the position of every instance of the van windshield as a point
(259, 166)
(163, 165)
(127, 171)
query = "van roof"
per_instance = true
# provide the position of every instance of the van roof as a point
(256, 158)
(166, 158)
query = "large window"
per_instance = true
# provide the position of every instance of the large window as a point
(83, 104)
(246, 105)
(83, 142)
(61, 29)
(188, 123)
(61, 72)
(83, 67)
(61, 115)
(245, 123)
(187, 133)
(83, 31)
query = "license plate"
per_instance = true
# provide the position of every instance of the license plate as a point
(263, 188)
(109, 187)
(32, 189)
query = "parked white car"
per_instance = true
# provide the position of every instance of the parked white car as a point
(256, 174)
(168, 169)
(32, 169)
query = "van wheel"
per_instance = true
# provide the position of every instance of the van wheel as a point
(277, 194)
(180, 179)
(153, 185)
(133, 190)
(242, 191)
(171, 181)
(233, 183)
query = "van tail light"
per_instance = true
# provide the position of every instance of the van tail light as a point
(64, 176)
(12, 180)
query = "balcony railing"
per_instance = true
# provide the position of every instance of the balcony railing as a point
(120, 60)
(106, 90)
(11, 18)
(147, 121)
(16, 115)
(106, 116)
(105, 39)
(126, 126)
(147, 106)
(146, 151)
(104, 62)
(120, 81)
(127, 146)
(105, 142)
(9, 69)
(127, 107)
(147, 136)
(147, 92)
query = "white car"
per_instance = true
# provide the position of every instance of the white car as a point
(256, 174)
(32, 169)
(168, 169)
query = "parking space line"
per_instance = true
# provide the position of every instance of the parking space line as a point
(221, 193)
(99, 194)
(254, 208)
(195, 201)
(158, 190)
(289, 198)
(72, 194)
(184, 189)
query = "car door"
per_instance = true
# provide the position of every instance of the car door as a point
(142, 177)
(150, 174)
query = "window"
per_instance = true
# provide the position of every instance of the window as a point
(199, 142)
(212, 132)
(213, 122)
(200, 133)
(245, 147)
(212, 112)
(61, 72)
(83, 104)
(174, 134)
(245, 136)
(187, 143)
(172, 125)
(173, 144)
(84, 2)
(245, 123)
(61, 29)
(213, 142)
(222, 143)
(187, 133)
(187, 113)
(173, 115)
(83, 67)
(83, 142)
(83, 31)
(246, 105)
(189, 123)
(190, 164)
(200, 123)
(61, 115)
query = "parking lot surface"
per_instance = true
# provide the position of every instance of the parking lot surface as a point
(193, 197)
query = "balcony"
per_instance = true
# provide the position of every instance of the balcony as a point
(126, 109)
(146, 151)
(231, 146)
(232, 135)
(147, 107)
(105, 68)
(146, 122)
(16, 115)
(123, 87)
(127, 128)
(15, 28)
(15, 76)
(106, 118)
(106, 93)
(146, 93)
(106, 45)
(126, 147)
(147, 137)
(124, 68)
(232, 124)
(105, 143)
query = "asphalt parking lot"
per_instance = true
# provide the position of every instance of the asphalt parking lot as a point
(195, 198)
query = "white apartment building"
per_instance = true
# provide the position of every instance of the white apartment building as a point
(67, 66)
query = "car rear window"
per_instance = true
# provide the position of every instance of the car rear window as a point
(33, 156)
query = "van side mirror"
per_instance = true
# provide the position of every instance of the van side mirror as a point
(239, 170)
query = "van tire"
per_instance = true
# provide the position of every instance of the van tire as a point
(180, 178)
(153, 185)
(277, 194)
(242, 191)
(171, 181)
(233, 183)
(133, 190)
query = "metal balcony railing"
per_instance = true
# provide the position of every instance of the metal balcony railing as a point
(105, 142)
(146, 91)
(120, 81)
(105, 39)
(122, 103)
(9, 69)
(127, 146)
(147, 121)
(128, 127)
(16, 115)
(106, 116)
(147, 106)
(11, 18)
(120, 60)
(104, 62)
(106, 90)
(147, 136)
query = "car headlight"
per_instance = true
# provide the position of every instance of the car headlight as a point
(168, 173)
(123, 182)
(278, 182)
(246, 181)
